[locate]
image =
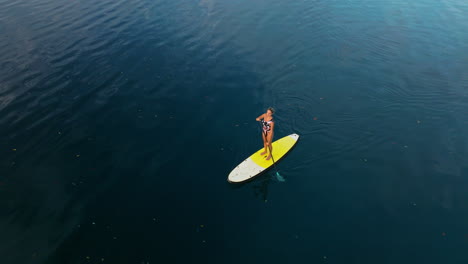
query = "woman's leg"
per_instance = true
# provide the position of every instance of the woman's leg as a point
(269, 140)
(264, 144)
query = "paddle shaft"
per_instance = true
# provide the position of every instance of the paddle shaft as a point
(269, 146)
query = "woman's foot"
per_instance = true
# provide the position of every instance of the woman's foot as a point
(269, 157)
(263, 153)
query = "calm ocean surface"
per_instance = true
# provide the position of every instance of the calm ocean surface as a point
(120, 121)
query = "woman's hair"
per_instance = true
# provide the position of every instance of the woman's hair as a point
(271, 109)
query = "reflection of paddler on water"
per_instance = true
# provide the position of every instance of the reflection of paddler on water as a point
(268, 126)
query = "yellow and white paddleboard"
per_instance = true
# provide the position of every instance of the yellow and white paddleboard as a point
(256, 164)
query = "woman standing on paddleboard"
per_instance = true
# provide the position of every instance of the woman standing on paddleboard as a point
(267, 130)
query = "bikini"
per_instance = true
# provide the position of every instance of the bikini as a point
(266, 126)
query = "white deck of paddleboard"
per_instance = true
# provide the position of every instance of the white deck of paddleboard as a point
(244, 171)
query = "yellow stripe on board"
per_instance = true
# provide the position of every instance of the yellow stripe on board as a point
(280, 148)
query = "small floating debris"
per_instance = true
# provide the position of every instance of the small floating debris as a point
(202, 226)
(60, 133)
(418, 121)
(94, 223)
(405, 146)
(14, 149)
(444, 234)
(324, 257)
(315, 118)
(77, 155)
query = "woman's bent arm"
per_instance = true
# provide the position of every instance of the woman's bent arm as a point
(260, 117)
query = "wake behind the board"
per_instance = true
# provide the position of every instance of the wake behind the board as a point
(256, 163)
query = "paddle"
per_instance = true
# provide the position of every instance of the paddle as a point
(278, 176)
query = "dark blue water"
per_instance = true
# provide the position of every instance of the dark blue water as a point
(120, 121)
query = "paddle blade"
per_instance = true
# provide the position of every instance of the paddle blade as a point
(279, 177)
